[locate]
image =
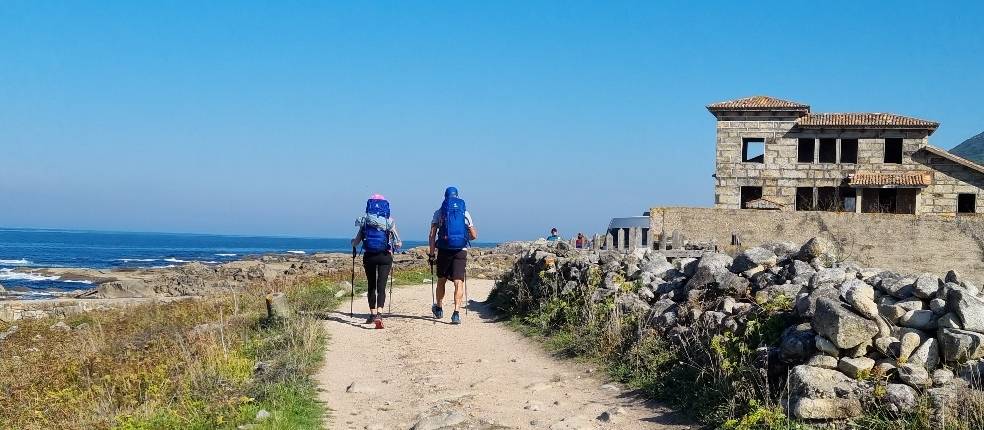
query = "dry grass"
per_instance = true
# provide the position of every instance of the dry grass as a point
(204, 363)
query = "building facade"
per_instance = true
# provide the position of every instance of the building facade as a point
(776, 154)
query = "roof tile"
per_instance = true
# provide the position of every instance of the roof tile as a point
(865, 120)
(891, 179)
(758, 103)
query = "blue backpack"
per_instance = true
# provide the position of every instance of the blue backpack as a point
(375, 227)
(453, 233)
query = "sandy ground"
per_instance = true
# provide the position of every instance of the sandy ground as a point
(426, 374)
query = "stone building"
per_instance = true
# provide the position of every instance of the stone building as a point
(776, 154)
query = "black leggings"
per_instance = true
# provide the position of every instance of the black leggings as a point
(377, 265)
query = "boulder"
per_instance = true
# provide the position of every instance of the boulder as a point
(960, 345)
(950, 320)
(712, 270)
(921, 319)
(858, 351)
(796, 343)
(631, 303)
(733, 285)
(825, 346)
(818, 383)
(856, 288)
(822, 361)
(926, 355)
(900, 288)
(938, 306)
(926, 286)
(819, 249)
(970, 309)
(907, 345)
(800, 272)
(911, 304)
(656, 264)
(831, 276)
(807, 408)
(783, 250)
(952, 276)
(915, 376)
(900, 398)
(892, 313)
(888, 346)
(841, 326)
(856, 367)
(773, 291)
(806, 304)
(942, 377)
(754, 258)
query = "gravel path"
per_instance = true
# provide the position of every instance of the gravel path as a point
(425, 374)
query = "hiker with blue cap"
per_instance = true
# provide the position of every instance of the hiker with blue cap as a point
(451, 231)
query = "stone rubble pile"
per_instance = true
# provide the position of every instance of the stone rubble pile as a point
(920, 334)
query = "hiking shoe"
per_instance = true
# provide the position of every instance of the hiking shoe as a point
(438, 312)
(371, 319)
(455, 318)
(378, 321)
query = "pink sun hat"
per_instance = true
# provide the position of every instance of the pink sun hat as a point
(377, 196)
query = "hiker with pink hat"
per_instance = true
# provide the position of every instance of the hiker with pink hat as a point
(379, 238)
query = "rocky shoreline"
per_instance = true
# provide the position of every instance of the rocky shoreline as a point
(125, 287)
(855, 337)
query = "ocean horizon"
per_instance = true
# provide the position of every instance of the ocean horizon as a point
(26, 248)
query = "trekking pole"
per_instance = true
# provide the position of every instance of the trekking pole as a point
(392, 268)
(465, 282)
(430, 261)
(352, 297)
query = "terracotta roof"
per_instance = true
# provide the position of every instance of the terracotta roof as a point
(893, 179)
(865, 120)
(764, 203)
(758, 103)
(953, 157)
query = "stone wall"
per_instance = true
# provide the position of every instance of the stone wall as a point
(909, 243)
(949, 180)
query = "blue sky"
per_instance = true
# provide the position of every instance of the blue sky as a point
(282, 117)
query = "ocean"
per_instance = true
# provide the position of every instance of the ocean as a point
(26, 248)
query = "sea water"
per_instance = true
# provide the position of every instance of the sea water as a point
(22, 249)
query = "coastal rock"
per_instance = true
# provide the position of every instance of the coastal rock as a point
(901, 288)
(926, 355)
(915, 376)
(907, 345)
(806, 408)
(797, 343)
(712, 270)
(806, 304)
(753, 258)
(970, 309)
(960, 345)
(830, 276)
(926, 286)
(823, 361)
(826, 346)
(920, 319)
(841, 326)
(819, 249)
(900, 397)
(855, 367)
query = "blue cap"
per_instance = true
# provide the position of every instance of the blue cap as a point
(450, 192)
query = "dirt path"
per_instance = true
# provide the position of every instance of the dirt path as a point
(426, 374)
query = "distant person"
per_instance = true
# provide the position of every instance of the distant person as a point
(553, 235)
(377, 231)
(580, 242)
(451, 231)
